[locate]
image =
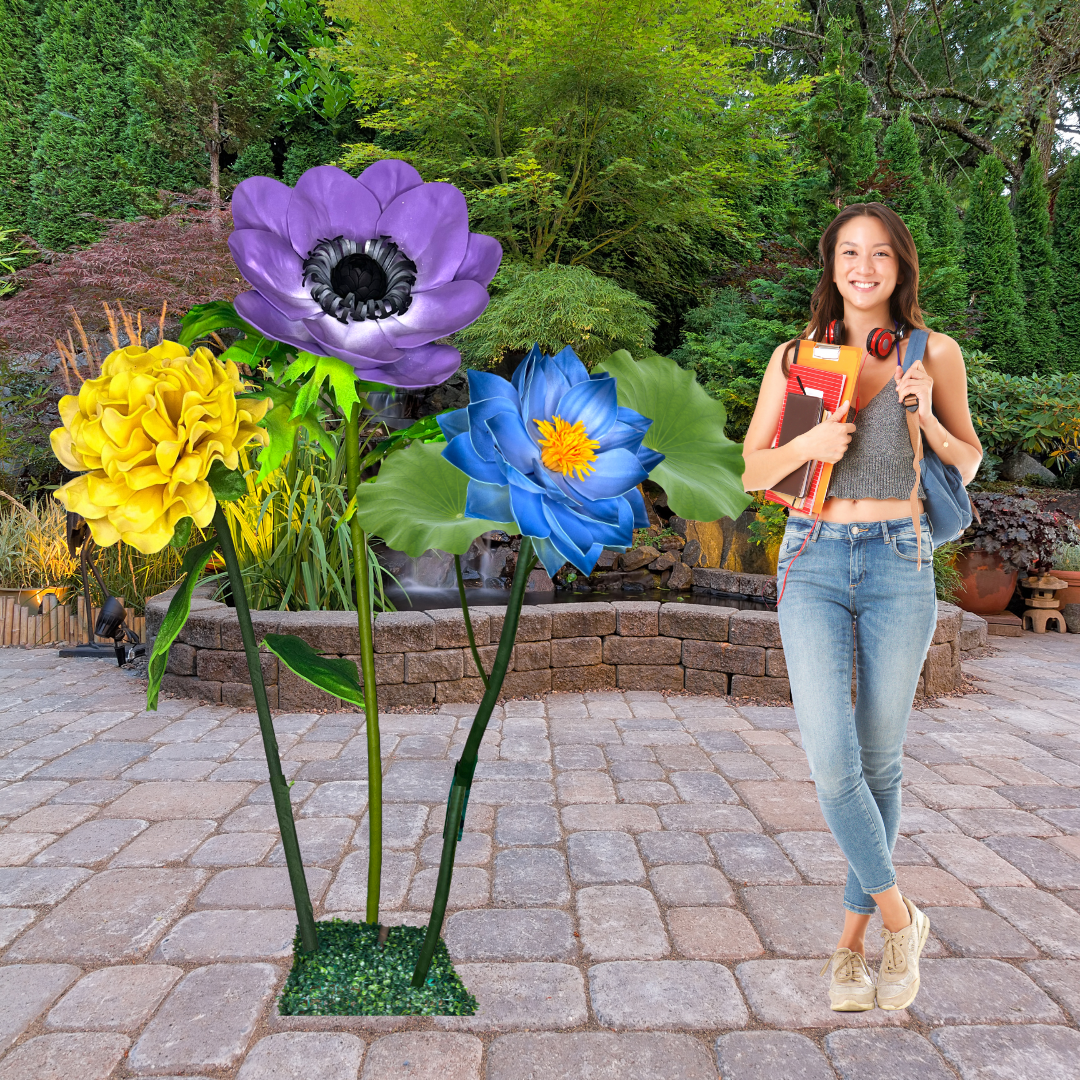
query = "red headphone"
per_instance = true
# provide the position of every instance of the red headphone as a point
(879, 342)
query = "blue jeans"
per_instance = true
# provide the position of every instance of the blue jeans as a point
(855, 592)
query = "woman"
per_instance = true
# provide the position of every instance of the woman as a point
(853, 586)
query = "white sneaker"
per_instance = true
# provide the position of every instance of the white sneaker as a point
(898, 979)
(852, 987)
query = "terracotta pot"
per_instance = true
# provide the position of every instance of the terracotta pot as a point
(1071, 595)
(987, 586)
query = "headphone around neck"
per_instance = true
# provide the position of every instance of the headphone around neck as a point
(879, 342)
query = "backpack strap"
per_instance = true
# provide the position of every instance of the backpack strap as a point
(915, 351)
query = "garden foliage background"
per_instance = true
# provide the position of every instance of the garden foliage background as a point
(658, 174)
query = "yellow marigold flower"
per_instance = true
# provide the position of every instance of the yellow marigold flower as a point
(144, 434)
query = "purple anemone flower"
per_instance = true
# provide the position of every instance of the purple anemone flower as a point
(370, 269)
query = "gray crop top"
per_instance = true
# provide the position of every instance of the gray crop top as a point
(879, 463)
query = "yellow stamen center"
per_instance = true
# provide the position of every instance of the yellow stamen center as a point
(566, 448)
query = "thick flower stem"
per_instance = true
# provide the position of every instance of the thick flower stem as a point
(367, 667)
(309, 938)
(466, 765)
(468, 620)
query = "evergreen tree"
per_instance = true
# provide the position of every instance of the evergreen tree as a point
(1036, 264)
(996, 309)
(911, 200)
(1066, 243)
(942, 282)
(20, 79)
(79, 175)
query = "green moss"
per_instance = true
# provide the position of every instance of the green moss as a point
(349, 975)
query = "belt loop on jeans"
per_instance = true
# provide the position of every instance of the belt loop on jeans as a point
(885, 531)
(815, 530)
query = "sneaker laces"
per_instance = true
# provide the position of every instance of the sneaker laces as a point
(894, 955)
(849, 969)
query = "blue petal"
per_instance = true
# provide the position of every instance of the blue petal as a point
(453, 423)
(521, 372)
(634, 419)
(459, 451)
(569, 528)
(614, 474)
(529, 513)
(623, 436)
(485, 384)
(520, 480)
(551, 558)
(593, 403)
(608, 510)
(489, 502)
(513, 443)
(572, 368)
(649, 458)
(479, 414)
(543, 392)
(637, 504)
(618, 533)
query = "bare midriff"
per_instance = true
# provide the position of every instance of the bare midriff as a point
(846, 511)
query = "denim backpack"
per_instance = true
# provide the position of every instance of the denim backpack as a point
(946, 502)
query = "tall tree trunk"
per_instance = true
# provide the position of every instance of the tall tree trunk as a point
(214, 145)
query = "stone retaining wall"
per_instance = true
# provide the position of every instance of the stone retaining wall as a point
(422, 657)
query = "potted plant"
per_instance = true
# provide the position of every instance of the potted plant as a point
(1013, 535)
(1066, 565)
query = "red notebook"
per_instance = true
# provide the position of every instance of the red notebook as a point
(813, 381)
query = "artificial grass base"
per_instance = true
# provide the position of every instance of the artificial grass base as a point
(350, 975)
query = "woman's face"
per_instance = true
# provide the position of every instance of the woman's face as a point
(867, 269)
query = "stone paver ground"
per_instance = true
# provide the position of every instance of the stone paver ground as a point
(645, 888)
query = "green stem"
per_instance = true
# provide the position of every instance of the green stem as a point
(468, 621)
(309, 938)
(466, 765)
(367, 666)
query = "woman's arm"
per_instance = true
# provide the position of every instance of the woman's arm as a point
(944, 417)
(766, 466)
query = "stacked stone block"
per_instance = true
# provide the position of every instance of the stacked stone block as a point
(423, 657)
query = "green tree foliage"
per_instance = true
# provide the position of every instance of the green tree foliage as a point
(78, 165)
(990, 261)
(557, 306)
(1066, 244)
(910, 199)
(212, 92)
(943, 284)
(606, 133)
(1036, 264)
(19, 83)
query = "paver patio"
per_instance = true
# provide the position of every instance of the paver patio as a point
(645, 890)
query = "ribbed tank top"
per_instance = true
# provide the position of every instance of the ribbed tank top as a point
(879, 463)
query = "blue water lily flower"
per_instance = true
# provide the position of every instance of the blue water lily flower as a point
(553, 451)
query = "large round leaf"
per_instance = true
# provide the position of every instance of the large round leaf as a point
(418, 503)
(702, 469)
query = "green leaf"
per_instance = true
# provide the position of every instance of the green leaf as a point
(176, 616)
(702, 468)
(181, 534)
(202, 319)
(418, 502)
(342, 378)
(337, 677)
(227, 484)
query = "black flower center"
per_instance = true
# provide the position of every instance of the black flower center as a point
(350, 281)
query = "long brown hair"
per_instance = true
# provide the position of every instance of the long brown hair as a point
(827, 304)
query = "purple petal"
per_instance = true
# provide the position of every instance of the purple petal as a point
(261, 202)
(359, 341)
(388, 179)
(482, 258)
(270, 265)
(254, 308)
(430, 224)
(427, 366)
(326, 203)
(436, 313)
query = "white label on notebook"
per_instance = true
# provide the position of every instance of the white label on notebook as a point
(826, 352)
(811, 392)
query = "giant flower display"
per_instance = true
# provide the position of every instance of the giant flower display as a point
(554, 452)
(370, 269)
(144, 434)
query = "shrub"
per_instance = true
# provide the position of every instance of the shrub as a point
(1015, 528)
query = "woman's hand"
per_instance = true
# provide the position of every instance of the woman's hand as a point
(829, 440)
(915, 381)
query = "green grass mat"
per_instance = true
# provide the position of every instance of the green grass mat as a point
(349, 975)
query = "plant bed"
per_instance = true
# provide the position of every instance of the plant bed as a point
(350, 974)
